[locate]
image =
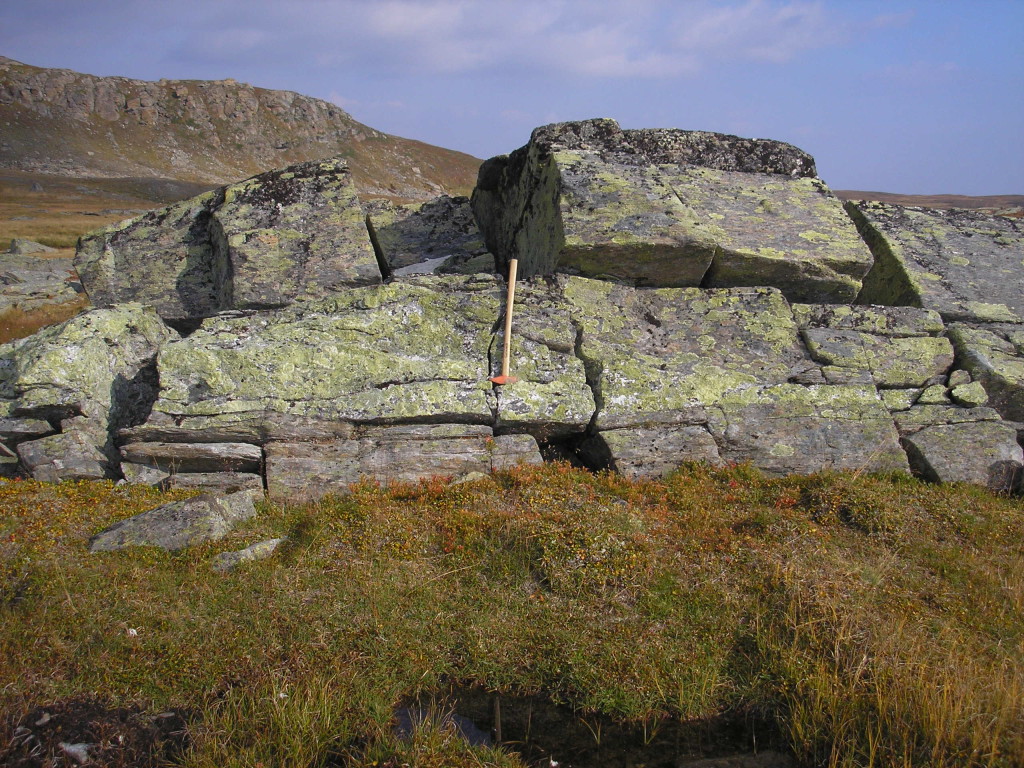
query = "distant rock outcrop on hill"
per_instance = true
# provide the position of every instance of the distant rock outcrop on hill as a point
(690, 297)
(57, 121)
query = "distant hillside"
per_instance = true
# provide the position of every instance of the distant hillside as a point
(991, 203)
(64, 123)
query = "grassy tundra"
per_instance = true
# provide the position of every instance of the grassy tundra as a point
(858, 620)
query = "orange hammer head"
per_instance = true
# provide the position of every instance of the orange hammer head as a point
(503, 379)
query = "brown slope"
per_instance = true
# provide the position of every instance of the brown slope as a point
(64, 123)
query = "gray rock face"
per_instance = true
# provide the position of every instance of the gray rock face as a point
(87, 378)
(667, 208)
(963, 264)
(229, 561)
(179, 524)
(300, 471)
(983, 452)
(273, 239)
(28, 282)
(994, 356)
(437, 236)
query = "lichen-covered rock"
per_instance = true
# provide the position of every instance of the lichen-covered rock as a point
(994, 356)
(226, 562)
(963, 264)
(983, 452)
(550, 396)
(969, 395)
(892, 362)
(653, 451)
(86, 378)
(98, 364)
(215, 482)
(303, 471)
(179, 524)
(70, 455)
(280, 236)
(653, 352)
(437, 236)
(669, 208)
(408, 351)
(791, 429)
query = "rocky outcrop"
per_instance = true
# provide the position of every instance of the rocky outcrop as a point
(663, 208)
(265, 242)
(963, 264)
(61, 122)
(318, 384)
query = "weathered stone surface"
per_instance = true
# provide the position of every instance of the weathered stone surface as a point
(15, 430)
(179, 524)
(143, 474)
(881, 321)
(71, 455)
(892, 362)
(195, 457)
(415, 350)
(437, 236)
(508, 451)
(963, 264)
(278, 237)
(899, 399)
(216, 482)
(21, 246)
(923, 415)
(969, 395)
(301, 471)
(98, 364)
(986, 453)
(787, 428)
(226, 562)
(28, 282)
(670, 350)
(651, 451)
(667, 208)
(994, 356)
(246, 427)
(551, 396)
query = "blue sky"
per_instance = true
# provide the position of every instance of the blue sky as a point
(913, 96)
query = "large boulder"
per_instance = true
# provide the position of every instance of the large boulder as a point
(278, 237)
(665, 208)
(993, 354)
(65, 390)
(963, 264)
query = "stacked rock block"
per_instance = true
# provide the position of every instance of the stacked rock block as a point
(694, 297)
(665, 208)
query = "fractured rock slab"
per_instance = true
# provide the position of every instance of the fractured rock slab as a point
(226, 562)
(984, 452)
(302, 471)
(669, 208)
(994, 357)
(278, 237)
(195, 457)
(179, 524)
(71, 455)
(653, 352)
(963, 264)
(414, 350)
(791, 429)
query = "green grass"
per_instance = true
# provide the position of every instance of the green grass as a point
(877, 621)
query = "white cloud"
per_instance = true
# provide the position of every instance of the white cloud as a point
(756, 29)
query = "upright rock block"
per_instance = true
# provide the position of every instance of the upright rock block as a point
(284, 235)
(664, 208)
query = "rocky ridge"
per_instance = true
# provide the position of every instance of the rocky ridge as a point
(881, 343)
(57, 121)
